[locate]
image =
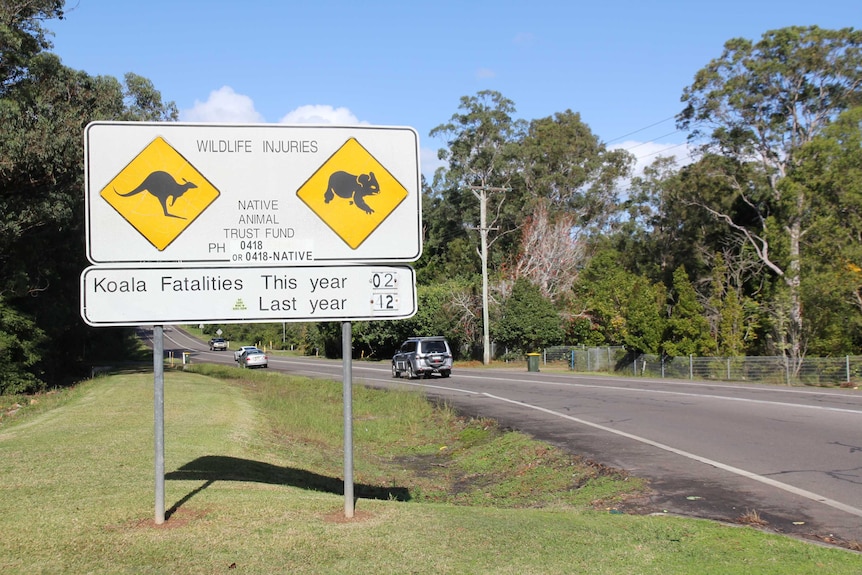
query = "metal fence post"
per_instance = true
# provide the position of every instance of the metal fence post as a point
(690, 366)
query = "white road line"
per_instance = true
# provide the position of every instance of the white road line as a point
(741, 472)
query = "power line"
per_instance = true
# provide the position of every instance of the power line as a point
(653, 140)
(641, 129)
(662, 151)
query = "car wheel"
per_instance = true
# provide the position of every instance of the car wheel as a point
(444, 373)
(410, 373)
(395, 372)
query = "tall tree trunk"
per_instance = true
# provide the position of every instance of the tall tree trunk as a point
(793, 279)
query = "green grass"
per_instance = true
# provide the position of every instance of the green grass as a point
(253, 481)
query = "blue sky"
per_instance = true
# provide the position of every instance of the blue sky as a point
(622, 65)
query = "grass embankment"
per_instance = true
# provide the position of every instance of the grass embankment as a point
(253, 466)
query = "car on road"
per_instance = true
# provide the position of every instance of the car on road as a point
(218, 343)
(422, 357)
(242, 350)
(253, 358)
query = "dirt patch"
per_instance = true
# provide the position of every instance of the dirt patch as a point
(340, 517)
(176, 519)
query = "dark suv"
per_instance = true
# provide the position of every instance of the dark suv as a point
(422, 356)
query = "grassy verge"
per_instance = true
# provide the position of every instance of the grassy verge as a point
(253, 484)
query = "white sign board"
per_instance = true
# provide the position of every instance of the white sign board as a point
(122, 296)
(251, 195)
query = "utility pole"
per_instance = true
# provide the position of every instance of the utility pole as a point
(481, 193)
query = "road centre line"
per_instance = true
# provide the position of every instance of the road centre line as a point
(665, 392)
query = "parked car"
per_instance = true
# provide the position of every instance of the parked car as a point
(218, 343)
(423, 356)
(242, 350)
(253, 358)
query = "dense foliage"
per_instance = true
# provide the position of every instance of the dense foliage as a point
(44, 107)
(751, 248)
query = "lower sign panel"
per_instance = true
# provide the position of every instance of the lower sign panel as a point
(118, 296)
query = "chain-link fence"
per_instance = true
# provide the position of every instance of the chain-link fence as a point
(773, 369)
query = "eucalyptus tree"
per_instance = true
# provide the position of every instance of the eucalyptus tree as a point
(758, 104)
(481, 152)
(570, 189)
(565, 165)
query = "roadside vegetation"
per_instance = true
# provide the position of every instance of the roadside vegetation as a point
(253, 483)
(748, 246)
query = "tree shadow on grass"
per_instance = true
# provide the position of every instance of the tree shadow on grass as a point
(212, 468)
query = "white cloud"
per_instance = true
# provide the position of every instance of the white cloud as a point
(483, 73)
(223, 106)
(320, 114)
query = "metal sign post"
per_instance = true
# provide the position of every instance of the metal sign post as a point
(159, 416)
(347, 376)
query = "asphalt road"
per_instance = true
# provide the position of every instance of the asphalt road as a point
(712, 450)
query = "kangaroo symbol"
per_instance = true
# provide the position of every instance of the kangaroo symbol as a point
(162, 185)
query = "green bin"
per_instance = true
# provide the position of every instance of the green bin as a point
(533, 361)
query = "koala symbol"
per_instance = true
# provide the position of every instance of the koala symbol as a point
(354, 188)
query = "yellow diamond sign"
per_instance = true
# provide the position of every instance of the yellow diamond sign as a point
(159, 193)
(352, 193)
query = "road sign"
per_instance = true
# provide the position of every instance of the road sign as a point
(251, 195)
(124, 296)
(345, 192)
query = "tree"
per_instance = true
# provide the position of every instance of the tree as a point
(644, 321)
(765, 101)
(481, 152)
(44, 108)
(529, 320)
(567, 166)
(831, 167)
(687, 327)
(627, 309)
(22, 36)
(20, 352)
(731, 324)
(550, 254)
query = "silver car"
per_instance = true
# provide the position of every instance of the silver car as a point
(238, 353)
(423, 356)
(253, 358)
